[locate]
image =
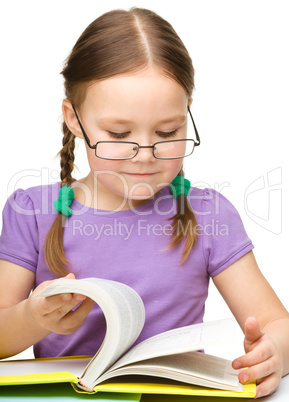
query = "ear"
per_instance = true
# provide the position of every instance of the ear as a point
(70, 119)
(190, 101)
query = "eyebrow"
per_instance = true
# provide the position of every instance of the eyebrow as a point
(116, 120)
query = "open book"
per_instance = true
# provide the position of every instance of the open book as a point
(165, 363)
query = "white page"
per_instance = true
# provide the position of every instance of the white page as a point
(180, 340)
(123, 310)
(192, 367)
(23, 367)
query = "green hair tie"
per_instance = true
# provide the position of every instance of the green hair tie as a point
(66, 195)
(179, 186)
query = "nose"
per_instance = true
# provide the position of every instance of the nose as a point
(145, 154)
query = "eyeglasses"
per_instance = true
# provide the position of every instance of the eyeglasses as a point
(123, 150)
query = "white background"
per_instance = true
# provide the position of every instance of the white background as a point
(240, 54)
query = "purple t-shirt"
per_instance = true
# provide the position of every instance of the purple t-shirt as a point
(130, 247)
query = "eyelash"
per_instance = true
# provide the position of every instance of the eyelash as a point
(118, 135)
(162, 134)
(165, 134)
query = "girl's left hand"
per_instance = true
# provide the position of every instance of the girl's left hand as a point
(263, 359)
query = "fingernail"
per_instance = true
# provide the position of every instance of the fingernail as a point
(80, 297)
(237, 364)
(245, 377)
(66, 297)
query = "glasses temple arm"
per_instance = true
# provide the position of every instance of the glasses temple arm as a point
(195, 128)
(82, 129)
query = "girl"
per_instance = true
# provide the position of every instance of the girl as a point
(134, 218)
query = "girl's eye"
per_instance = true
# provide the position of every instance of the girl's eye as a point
(162, 134)
(118, 135)
(167, 134)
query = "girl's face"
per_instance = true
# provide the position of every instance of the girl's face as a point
(144, 107)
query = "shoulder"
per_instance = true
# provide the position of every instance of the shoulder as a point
(224, 238)
(208, 201)
(26, 218)
(33, 200)
(213, 210)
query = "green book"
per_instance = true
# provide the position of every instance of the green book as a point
(61, 392)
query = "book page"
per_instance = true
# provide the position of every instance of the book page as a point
(123, 310)
(181, 340)
(42, 366)
(193, 368)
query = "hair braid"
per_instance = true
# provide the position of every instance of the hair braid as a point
(67, 156)
(54, 253)
(184, 226)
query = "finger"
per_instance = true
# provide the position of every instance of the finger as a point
(74, 319)
(256, 356)
(53, 303)
(267, 386)
(47, 283)
(258, 371)
(69, 302)
(56, 302)
(68, 276)
(252, 330)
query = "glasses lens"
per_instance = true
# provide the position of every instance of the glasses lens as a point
(174, 149)
(115, 150)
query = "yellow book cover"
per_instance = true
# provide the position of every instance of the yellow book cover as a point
(129, 384)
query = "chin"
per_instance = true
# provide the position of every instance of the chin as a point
(141, 197)
(140, 192)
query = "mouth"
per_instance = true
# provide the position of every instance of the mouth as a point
(143, 175)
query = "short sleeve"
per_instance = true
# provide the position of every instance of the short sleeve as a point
(224, 237)
(19, 238)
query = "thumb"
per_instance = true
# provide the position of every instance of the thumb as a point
(252, 331)
(70, 276)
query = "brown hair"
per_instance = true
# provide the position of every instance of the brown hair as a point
(119, 42)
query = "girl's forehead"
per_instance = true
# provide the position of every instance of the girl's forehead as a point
(146, 89)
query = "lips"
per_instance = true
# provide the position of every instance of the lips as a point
(140, 174)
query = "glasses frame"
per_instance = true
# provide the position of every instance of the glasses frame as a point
(197, 142)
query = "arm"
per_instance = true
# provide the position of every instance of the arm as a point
(25, 320)
(248, 294)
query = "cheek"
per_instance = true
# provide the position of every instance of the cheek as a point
(107, 174)
(101, 165)
(111, 180)
(172, 168)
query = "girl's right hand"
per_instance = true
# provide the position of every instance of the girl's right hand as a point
(55, 313)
